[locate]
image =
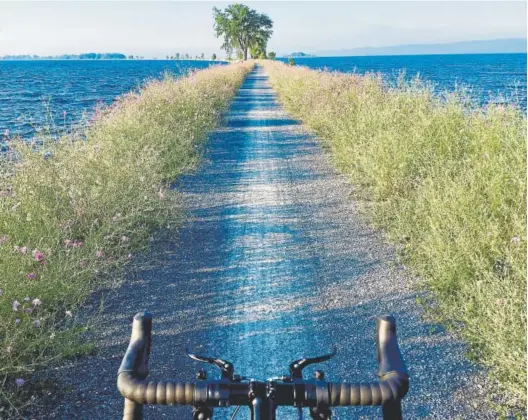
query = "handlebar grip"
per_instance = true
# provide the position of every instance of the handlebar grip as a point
(376, 393)
(152, 392)
(390, 359)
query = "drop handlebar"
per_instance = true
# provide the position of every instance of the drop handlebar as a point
(262, 397)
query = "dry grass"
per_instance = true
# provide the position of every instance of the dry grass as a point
(448, 183)
(70, 216)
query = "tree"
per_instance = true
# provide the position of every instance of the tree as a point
(177, 56)
(272, 55)
(242, 28)
(257, 51)
(202, 56)
(213, 57)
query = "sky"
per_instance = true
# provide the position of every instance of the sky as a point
(155, 29)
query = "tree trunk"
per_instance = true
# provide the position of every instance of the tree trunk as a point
(245, 54)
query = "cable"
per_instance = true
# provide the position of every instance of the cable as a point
(235, 413)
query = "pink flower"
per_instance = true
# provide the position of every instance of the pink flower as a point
(38, 255)
(99, 254)
(31, 276)
(15, 305)
(19, 382)
(36, 302)
(77, 244)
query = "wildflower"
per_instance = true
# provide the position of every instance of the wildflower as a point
(125, 238)
(161, 195)
(28, 311)
(36, 302)
(83, 263)
(27, 299)
(3, 239)
(19, 382)
(17, 321)
(68, 242)
(515, 240)
(36, 323)
(31, 276)
(21, 249)
(69, 313)
(9, 350)
(15, 305)
(64, 113)
(116, 217)
(99, 254)
(38, 255)
(129, 256)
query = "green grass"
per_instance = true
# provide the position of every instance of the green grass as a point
(69, 220)
(448, 183)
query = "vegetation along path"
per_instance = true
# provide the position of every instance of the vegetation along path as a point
(272, 264)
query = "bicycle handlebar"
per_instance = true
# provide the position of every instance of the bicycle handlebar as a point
(132, 383)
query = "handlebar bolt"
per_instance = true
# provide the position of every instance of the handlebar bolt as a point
(319, 375)
(201, 374)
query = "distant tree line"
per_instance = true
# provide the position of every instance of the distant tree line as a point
(86, 56)
(180, 56)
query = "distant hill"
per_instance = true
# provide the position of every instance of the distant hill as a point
(513, 45)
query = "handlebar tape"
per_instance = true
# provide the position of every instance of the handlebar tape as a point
(393, 388)
(152, 392)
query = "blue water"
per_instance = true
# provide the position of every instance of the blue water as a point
(33, 91)
(490, 76)
(34, 94)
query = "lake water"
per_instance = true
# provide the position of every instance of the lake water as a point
(489, 76)
(32, 91)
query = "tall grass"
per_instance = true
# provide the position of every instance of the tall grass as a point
(69, 215)
(448, 182)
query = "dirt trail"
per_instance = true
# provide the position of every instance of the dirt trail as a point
(271, 264)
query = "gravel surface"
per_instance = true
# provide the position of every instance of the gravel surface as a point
(273, 263)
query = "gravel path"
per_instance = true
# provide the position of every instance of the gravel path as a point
(271, 264)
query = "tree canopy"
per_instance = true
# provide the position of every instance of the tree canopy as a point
(242, 29)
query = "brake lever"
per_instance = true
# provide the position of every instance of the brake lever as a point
(297, 366)
(226, 367)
